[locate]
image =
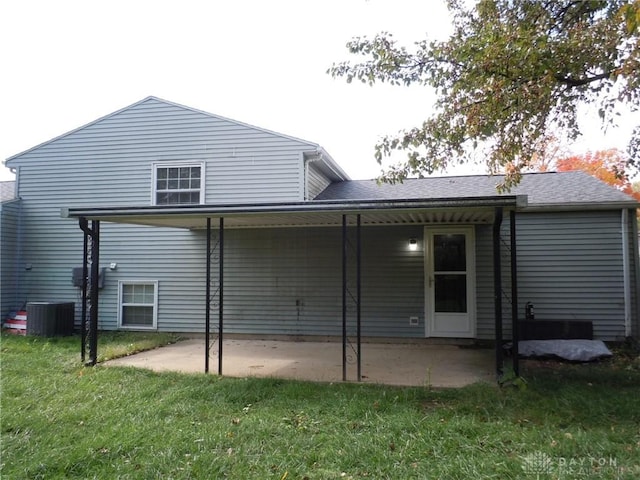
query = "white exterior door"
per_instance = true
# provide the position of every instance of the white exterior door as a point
(450, 282)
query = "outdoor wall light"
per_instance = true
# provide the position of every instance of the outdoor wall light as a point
(413, 244)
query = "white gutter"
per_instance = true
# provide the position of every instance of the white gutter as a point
(304, 181)
(16, 173)
(625, 272)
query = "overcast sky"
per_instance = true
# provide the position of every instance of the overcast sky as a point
(66, 63)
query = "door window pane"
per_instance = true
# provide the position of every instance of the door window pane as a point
(451, 293)
(449, 253)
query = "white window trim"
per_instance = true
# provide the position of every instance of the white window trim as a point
(154, 177)
(154, 326)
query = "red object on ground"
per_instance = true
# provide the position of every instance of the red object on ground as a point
(16, 323)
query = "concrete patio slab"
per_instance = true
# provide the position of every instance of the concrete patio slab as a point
(382, 363)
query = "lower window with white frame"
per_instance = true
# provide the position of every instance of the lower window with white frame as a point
(138, 304)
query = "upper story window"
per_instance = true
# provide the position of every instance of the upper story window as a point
(180, 184)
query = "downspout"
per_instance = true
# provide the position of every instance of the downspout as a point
(636, 268)
(16, 172)
(305, 179)
(344, 297)
(220, 295)
(359, 294)
(497, 291)
(307, 162)
(624, 219)
(514, 292)
(207, 312)
(19, 264)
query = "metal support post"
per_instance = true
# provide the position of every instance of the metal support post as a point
(497, 289)
(85, 273)
(344, 298)
(90, 285)
(514, 293)
(95, 281)
(359, 296)
(348, 294)
(221, 296)
(210, 296)
(207, 313)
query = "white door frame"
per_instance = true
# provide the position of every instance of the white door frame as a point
(470, 251)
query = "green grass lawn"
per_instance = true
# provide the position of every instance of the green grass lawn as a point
(62, 420)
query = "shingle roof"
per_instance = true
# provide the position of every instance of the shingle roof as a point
(542, 189)
(7, 190)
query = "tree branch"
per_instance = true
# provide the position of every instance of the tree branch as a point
(579, 82)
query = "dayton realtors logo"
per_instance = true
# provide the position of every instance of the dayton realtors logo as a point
(540, 466)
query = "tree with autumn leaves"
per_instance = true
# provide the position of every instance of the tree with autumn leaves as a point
(511, 75)
(606, 165)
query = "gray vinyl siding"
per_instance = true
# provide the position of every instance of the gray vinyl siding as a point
(569, 267)
(316, 181)
(393, 282)
(10, 274)
(283, 281)
(286, 281)
(634, 286)
(289, 281)
(276, 281)
(485, 325)
(109, 163)
(173, 257)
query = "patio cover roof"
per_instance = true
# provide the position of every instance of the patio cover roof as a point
(487, 210)
(311, 213)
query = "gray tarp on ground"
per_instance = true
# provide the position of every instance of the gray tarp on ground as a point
(575, 350)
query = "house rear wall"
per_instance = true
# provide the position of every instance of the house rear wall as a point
(289, 281)
(570, 266)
